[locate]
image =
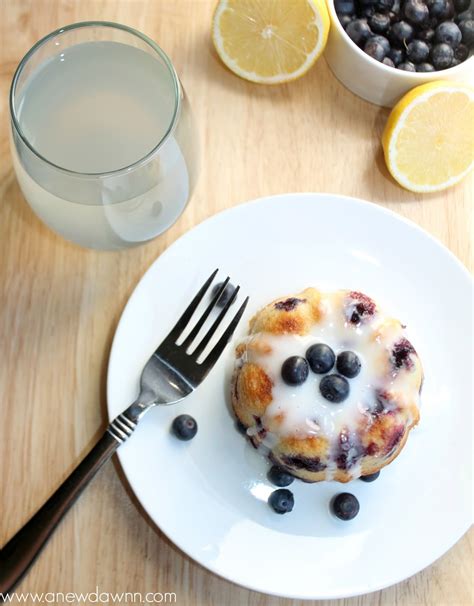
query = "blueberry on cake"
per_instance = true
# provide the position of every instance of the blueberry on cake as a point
(327, 385)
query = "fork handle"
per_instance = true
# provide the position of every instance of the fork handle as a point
(23, 548)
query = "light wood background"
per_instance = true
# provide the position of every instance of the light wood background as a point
(59, 304)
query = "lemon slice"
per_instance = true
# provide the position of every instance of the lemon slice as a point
(270, 41)
(428, 141)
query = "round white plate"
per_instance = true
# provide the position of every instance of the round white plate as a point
(209, 495)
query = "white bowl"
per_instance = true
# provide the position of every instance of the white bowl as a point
(372, 80)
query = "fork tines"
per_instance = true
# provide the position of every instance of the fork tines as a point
(184, 320)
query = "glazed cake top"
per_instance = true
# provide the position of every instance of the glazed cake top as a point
(390, 374)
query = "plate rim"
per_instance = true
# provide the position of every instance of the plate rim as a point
(238, 207)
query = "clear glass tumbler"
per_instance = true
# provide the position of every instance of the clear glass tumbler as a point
(102, 137)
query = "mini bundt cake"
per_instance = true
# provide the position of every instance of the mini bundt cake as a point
(327, 385)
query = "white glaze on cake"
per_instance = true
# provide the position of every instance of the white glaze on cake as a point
(301, 411)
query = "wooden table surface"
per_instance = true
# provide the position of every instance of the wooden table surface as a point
(60, 304)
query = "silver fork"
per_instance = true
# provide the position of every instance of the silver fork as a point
(171, 373)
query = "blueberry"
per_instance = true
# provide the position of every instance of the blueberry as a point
(400, 34)
(279, 476)
(418, 51)
(320, 357)
(384, 6)
(345, 20)
(358, 31)
(383, 41)
(388, 61)
(334, 388)
(407, 66)
(461, 5)
(377, 47)
(379, 23)
(442, 56)
(345, 506)
(241, 427)
(281, 501)
(426, 35)
(344, 7)
(294, 370)
(371, 477)
(184, 427)
(396, 55)
(425, 67)
(225, 296)
(395, 9)
(449, 33)
(464, 16)
(366, 11)
(441, 9)
(467, 32)
(415, 11)
(348, 364)
(461, 53)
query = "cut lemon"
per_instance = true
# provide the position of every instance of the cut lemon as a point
(428, 141)
(270, 41)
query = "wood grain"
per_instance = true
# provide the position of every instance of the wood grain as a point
(60, 304)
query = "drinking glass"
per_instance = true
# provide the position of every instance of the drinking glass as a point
(102, 136)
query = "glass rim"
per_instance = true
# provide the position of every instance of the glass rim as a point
(112, 25)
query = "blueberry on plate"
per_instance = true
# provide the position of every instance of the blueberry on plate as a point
(320, 358)
(279, 476)
(281, 500)
(407, 66)
(348, 364)
(358, 31)
(377, 47)
(241, 427)
(371, 477)
(442, 56)
(184, 427)
(400, 34)
(388, 61)
(334, 388)
(425, 67)
(379, 23)
(225, 296)
(294, 370)
(449, 33)
(344, 7)
(418, 51)
(415, 11)
(467, 32)
(345, 506)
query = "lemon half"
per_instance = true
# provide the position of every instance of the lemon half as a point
(270, 41)
(428, 141)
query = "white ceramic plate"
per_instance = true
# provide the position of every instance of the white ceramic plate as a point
(209, 495)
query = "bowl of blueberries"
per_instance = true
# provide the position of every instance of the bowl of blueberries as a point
(380, 49)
